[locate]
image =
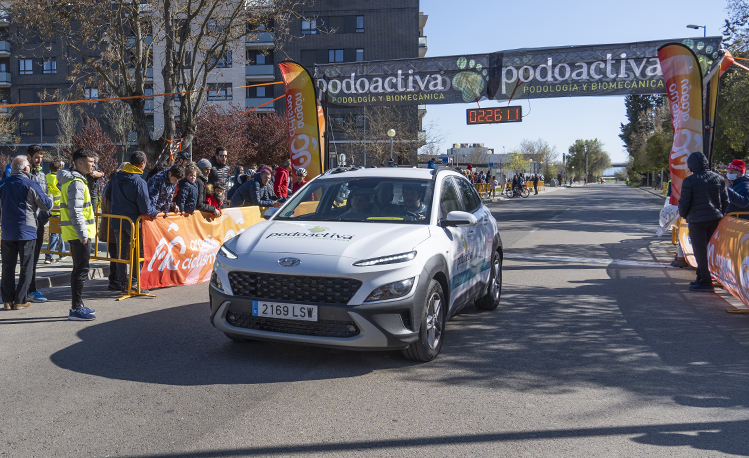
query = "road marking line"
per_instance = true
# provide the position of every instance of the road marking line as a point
(535, 229)
(554, 217)
(581, 260)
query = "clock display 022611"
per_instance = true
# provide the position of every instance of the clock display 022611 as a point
(494, 115)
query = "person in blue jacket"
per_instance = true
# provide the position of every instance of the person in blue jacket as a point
(20, 199)
(187, 193)
(129, 197)
(738, 190)
(255, 192)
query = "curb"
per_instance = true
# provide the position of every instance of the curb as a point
(64, 279)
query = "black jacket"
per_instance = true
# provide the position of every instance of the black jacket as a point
(738, 194)
(220, 173)
(252, 193)
(703, 194)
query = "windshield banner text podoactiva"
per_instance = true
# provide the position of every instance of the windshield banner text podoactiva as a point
(570, 71)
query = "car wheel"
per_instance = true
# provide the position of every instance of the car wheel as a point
(432, 326)
(490, 301)
(236, 338)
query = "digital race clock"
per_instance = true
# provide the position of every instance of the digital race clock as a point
(494, 115)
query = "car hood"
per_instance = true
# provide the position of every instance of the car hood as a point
(340, 239)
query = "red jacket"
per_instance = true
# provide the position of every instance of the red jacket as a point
(281, 185)
(211, 200)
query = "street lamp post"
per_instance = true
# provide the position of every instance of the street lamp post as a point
(697, 27)
(391, 134)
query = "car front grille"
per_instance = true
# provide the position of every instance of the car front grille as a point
(320, 328)
(309, 290)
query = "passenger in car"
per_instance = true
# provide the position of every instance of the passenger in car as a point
(360, 206)
(384, 199)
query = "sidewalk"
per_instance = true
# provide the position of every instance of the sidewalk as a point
(488, 200)
(58, 274)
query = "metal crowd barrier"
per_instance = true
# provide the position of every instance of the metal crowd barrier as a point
(119, 257)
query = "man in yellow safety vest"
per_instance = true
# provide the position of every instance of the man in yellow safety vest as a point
(78, 225)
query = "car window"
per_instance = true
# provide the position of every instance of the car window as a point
(449, 200)
(362, 199)
(468, 192)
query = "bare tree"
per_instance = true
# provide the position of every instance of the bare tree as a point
(8, 128)
(370, 132)
(120, 120)
(115, 46)
(477, 155)
(541, 152)
(67, 123)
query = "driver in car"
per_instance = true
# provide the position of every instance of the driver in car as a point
(412, 204)
(360, 206)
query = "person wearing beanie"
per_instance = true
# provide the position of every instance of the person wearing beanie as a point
(738, 188)
(703, 202)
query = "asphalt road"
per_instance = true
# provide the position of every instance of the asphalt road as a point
(586, 356)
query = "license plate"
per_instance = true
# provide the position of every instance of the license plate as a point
(284, 311)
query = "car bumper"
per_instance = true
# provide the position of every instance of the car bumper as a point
(377, 326)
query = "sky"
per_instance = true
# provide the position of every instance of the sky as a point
(482, 26)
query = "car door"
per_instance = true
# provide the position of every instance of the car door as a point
(458, 255)
(479, 237)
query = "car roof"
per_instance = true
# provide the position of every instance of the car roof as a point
(386, 172)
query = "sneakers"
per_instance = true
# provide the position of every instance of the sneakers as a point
(36, 296)
(8, 305)
(113, 286)
(17, 306)
(702, 288)
(82, 314)
(48, 261)
(91, 311)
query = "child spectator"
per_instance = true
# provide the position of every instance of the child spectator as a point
(215, 196)
(187, 196)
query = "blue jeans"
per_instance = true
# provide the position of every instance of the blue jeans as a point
(54, 245)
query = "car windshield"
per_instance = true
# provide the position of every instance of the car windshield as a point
(365, 199)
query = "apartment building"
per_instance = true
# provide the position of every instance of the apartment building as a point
(334, 31)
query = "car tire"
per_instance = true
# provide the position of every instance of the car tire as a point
(431, 331)
(236, 338)
(491, 299)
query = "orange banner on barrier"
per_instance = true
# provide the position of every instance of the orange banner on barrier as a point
(728, 256)
(686, 243)
(181, 250)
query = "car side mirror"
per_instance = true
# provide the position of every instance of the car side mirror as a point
(458, 218)
(270, 212)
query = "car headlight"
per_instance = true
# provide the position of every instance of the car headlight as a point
(227, 253)
(391, 290)
(394, 259)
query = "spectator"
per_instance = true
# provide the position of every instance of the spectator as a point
(239, 177)
(205, 168)
(535, 184)
(54, 192)
(299, 180)
(159, 167)
(202, 204)
(187, 196)
(129, 197)
(106, 234)
(78, 225)
(220, 170)
(282, 183)
(503, 183)
(215, 197)
(256, 192)
(20, 199)
(6, 172)
(162, 187)
(35, 155)
(703, 202)
(738, 188)
(182, 158)
(430, 163)
(493, 185)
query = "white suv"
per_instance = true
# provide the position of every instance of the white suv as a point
(366, 259)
